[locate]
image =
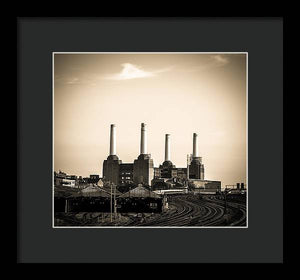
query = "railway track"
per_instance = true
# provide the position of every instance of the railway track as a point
(185, 210)
(191, 211)
(239, 209)
(70, 219)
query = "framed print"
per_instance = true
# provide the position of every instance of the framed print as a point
(182, 92)
(152, 131)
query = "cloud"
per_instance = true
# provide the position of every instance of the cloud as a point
(72, 81)
(82, 80)
(131, 71)
(211, 62)
(219, 60)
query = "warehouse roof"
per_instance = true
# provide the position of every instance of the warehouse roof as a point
(91, 188)
(140, 191)
(62, 191)
(91, 191)
(107, 189)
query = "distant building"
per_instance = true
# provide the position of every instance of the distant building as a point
(169, 170)
(126, 173)
(141, 171)
(58, 177)
(143, 166)
(93, 179)
(140, 200)
(196, 169)
(205, 186)
(68, 183)
(63, 179)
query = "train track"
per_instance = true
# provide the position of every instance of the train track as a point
(70, 219)
(239, 211)
(190, 211)
(185, 210)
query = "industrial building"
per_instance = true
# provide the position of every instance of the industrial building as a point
(168, 170)
(90, 199)
(72, 181)
(205, 186)
(95, 199)
(146, 185)
(140, 200)
(142, 170)
(62, 179)
(139, 172)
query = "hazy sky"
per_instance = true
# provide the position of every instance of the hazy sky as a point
(176, 94)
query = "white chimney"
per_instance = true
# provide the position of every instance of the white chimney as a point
(143, 139)
(167, 148)
(112, 150)
(195, 145)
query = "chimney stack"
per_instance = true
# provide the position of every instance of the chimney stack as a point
(143, 139)
(167, 148)
(195, 145)
(112, 150)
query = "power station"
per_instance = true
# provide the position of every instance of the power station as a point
(139, 172)
(139, 194)
(142, 170)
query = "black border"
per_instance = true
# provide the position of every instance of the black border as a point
(21, 113)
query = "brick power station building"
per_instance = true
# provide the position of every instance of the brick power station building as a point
(142, 170)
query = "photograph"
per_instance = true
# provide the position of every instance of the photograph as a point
(150, 140)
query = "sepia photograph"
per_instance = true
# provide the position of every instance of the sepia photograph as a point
(161, 136)
(150, 139)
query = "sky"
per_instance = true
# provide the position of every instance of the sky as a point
(176, 94)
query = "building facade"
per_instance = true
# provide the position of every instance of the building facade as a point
(126, 173)
(168, 170)
(142, 170)
(139, 172)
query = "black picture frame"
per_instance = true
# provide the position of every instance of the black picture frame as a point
(261, 242)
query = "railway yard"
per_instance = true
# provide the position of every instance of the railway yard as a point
(184, 210)
(140, 195)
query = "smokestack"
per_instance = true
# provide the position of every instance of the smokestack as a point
(167, 148)
(195, 145)
(143, 139)
(112, 149)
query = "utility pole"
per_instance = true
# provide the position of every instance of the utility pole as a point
(110, 202)
(66, 205)
(188, 169)
(188, 162)
(225, 193)
(115, 202)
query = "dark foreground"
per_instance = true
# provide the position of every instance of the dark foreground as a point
(183, 211)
